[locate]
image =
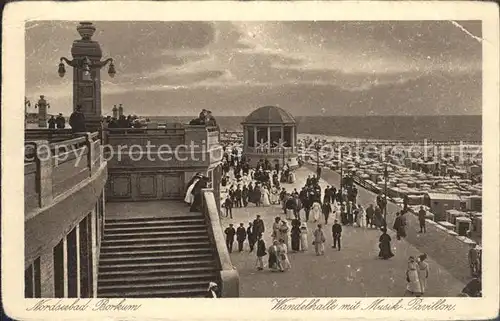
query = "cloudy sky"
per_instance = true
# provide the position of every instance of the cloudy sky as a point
(309, 68)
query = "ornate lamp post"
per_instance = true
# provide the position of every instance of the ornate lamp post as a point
(317, 147)
(87, 66)
(27, 104)
(386, 178)
(42, 106)
(341, 174)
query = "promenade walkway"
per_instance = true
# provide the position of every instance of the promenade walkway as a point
(453, 256)
(353, 271)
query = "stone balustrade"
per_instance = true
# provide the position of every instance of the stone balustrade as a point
(229, 277)
(152, 163)
(52, 168)
(171, 147)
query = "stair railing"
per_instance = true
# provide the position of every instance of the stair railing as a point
(229, 278)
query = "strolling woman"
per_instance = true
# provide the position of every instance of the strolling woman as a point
(385, 245)
(413, 287)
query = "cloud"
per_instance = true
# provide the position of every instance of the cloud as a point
(235, 58)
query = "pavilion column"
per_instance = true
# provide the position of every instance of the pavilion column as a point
(254, 137)
(268, 139)
(292, 143)
(282, 136)
(245, 138)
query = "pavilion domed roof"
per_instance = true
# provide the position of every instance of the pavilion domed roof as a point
(269, 115)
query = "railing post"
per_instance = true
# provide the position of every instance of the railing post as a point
(90, 151)
(43, 172)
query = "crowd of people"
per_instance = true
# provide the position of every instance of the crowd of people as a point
(204, 118)
(263, 186)
(58, 122)
(130, 121)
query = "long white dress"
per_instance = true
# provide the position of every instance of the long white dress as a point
(413, 282)
(361, 217)
(335, 210)
(283, 256)
(423, 273)
(189, 198)
(274, 197)
(316, 211)
(303, 238)
(264, 199)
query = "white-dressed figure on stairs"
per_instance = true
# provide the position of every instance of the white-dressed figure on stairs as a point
(189, 197)
(197, 194)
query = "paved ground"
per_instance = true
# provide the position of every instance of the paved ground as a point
(354, 271)
(156, 208)
(453, 256)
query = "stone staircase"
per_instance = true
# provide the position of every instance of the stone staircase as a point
(156, 257)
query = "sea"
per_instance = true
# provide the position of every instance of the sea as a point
(411, 128)
(437, 128)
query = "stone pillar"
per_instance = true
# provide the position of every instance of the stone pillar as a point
(42, 106)
(95, 253)
(44, 172)
(269, 139)
(87, 85)
(78, 263)
(65, 266)
(254, 136)
(90, 152)
(245, 137)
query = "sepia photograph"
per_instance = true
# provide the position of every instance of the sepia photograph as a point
(233, 158)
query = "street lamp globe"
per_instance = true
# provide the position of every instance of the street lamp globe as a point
(61, 70)
(111, 70)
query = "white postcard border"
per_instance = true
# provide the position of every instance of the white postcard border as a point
(15, 16)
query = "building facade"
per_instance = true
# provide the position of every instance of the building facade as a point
(64, 212)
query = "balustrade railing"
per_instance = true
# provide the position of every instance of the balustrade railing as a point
(228, 277)
(51, 169)
(272, 150)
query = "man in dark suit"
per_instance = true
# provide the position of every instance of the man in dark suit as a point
(241, 236)
(252, 238)
(230, 232)
(238, 197)
(326, 209)
(337, 233)
(258, 226)
(297, 205)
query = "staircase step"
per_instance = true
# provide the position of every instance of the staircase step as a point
(110, 248)
(156, 285)
(183, 217)
(157, 271)
(122, 224)
(171, 233)
(130, 228)
(155, 253)
(143, 279)
(153, 265)
(157, 240)
(159, 293)
(153, 259)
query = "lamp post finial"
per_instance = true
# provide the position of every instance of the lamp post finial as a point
(86, 30)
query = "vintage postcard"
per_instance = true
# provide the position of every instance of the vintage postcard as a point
(250, 160)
